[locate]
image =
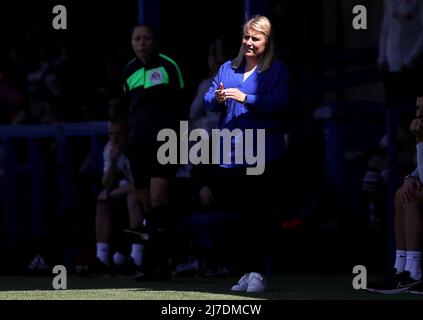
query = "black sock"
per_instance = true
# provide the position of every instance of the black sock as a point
(158, 218)
(158, 251)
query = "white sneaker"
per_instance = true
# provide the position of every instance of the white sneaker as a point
(256, 283)
(242, 283)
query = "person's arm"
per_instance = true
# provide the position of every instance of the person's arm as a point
(210, 96)
(110, 167)
(174, 94)
(419, 148)
(109, 177)
(178, 80)
(410, 187)
(276, 100)
(412, 183)
(416, 128)
(122, 190)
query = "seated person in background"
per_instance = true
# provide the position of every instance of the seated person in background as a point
(375, 179)
(206, 219)
(212, 223)
(200, 116)
(118, 198)
(407, 273)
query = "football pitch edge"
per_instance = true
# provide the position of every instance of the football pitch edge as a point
(280, 287)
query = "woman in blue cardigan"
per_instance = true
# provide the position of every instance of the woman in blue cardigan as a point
(251, 92)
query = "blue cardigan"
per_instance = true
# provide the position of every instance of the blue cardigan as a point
(267, 96)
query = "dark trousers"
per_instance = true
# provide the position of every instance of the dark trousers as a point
(249, 199)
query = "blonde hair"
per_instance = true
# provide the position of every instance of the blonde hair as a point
(263, 25)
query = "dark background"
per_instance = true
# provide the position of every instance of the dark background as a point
(319, 46)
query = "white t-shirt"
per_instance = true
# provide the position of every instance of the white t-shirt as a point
(122, 165)
(401, 37)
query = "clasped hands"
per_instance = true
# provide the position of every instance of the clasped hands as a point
(223, 94)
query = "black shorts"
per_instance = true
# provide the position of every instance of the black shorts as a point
(142, 154)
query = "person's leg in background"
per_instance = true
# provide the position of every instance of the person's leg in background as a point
(136, 218)
(407, 274)
(413, 239)
(103, 226)
(158, 221)
(413, 223)
(159, 196)
(372, 187)
(159, 224)
(139, 155)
